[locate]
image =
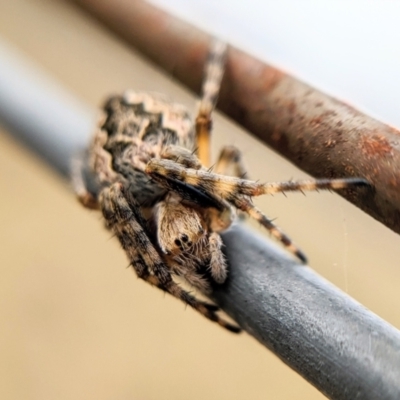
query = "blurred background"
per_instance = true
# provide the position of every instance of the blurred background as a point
(75, 322)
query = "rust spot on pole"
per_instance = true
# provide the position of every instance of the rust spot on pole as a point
(376, 146)
(321, 135)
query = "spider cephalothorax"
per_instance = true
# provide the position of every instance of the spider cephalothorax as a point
(160, 200)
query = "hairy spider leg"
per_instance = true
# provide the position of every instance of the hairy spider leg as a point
(230, 162)
(226, 186)
(124, 219)
(86, 198)
(238, 191)
(192, 277)
(214, 72)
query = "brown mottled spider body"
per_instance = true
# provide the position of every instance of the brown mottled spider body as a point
(159, 199)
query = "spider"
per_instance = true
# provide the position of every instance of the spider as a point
(160, 200)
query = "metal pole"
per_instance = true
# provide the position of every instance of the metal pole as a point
(341, 348)
(40, 113)
(327, 337)
(321, 135)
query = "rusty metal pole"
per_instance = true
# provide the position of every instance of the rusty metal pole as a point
(321, 135)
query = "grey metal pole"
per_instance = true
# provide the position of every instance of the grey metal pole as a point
(41, 113)
(331, 340)
(341, 348)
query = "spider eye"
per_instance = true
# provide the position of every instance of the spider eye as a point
(184, 238)
(178, 242)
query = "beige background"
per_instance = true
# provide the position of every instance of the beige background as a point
(75, 322)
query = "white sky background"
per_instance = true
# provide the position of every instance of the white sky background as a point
(349, 49)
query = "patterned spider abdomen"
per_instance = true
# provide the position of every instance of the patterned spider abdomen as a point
(136, 127)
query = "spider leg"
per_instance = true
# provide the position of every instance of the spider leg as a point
(230, 162)
(78, 182)
(123, 217)
(189, 274)
(181, 155)
(227, 186)
(218, 266)
(244, 204)
(211, 84)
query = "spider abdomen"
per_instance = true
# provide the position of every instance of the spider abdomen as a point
(136, 127)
